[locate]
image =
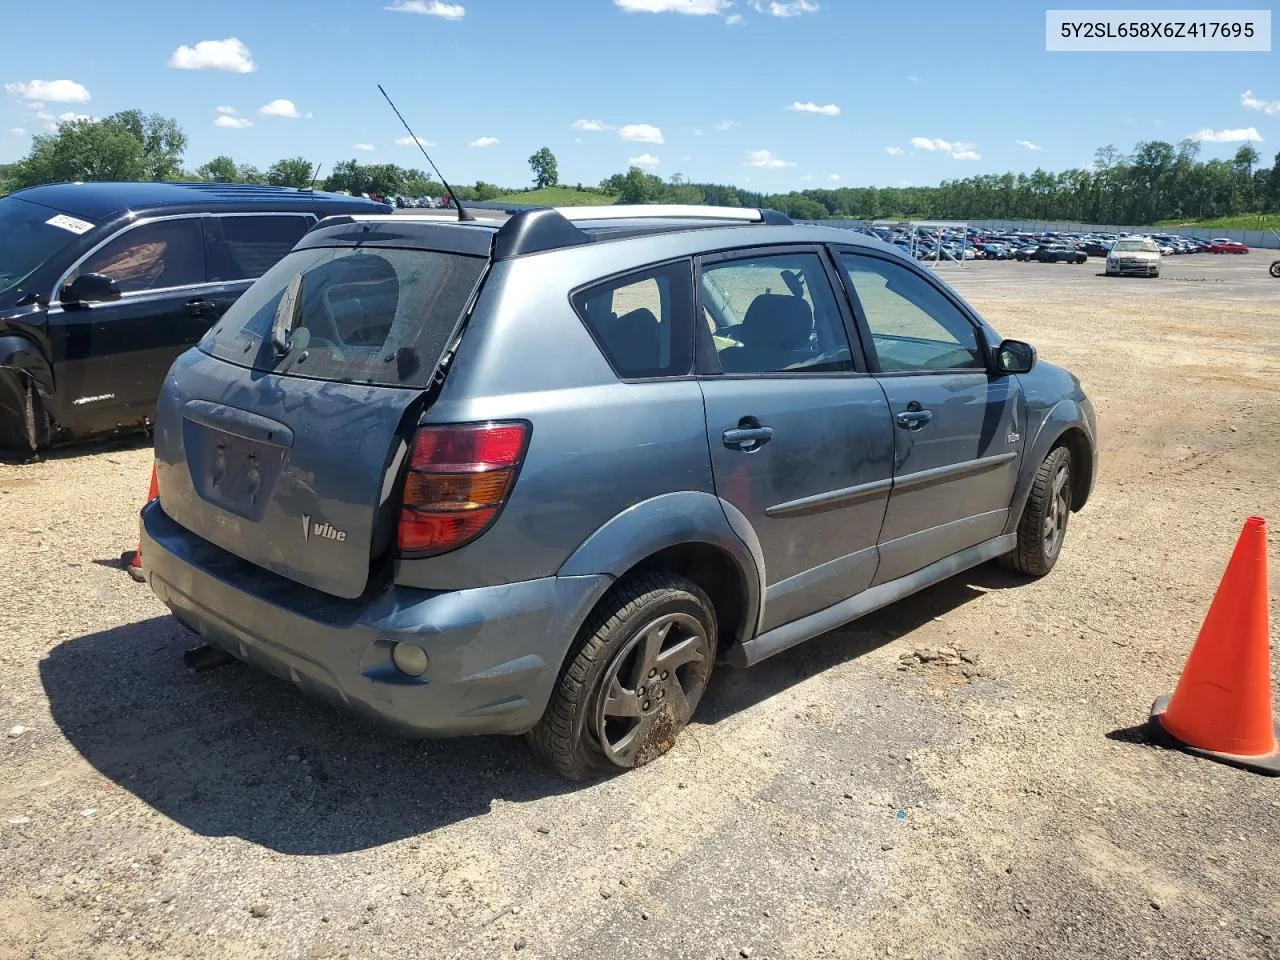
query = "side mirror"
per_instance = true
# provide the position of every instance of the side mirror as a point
(1015, 356)
(90, 288)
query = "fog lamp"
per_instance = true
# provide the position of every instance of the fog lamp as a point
(409, 659)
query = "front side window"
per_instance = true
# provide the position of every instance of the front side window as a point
(643, 321)
(774, 314)
(154, 256)
(913, 325)
(253, 245)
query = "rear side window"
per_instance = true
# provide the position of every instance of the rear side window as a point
(253, 245)
(643, 321)
(360, 315)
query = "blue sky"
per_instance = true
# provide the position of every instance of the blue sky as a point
(772, 94)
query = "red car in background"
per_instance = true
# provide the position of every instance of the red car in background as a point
(1224, 245)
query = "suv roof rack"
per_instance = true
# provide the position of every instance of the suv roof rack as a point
(648, 211)
(549, 228)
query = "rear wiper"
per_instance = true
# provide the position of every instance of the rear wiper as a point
(288, 316)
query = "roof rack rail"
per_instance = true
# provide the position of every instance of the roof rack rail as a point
(646, 211)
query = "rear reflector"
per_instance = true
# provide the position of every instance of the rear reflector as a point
(459, 478)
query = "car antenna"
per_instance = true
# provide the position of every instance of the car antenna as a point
(463, 214)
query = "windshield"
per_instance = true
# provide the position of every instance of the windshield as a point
(29, 235)
(1135, 246)
(361, 315)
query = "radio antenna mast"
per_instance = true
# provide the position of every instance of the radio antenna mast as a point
(463, 214)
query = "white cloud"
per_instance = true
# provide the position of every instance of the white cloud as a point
(1028, 144)
(785, 8)
(232, 123)
(833, 177)
(366, 147)
(641, 133)
(766, 160)
(71, 116)
(591, 126)
(826, 110)
(807, 177)
(724, 125)
(1238, 135)
(698, 132)
(957, 150)
(904, 183)
(914, 79)
(430, 8)
(647, 160)
(408, 142)
(230, 55)
(734, 20)
(17, 132)
(693, 8)
(226, 111)
(1250, 102)
(893, 151)
(53, 91)
(484, 142)
(282, 108)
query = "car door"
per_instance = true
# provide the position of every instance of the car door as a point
(113, 356)
(957, 424)
(800, 435)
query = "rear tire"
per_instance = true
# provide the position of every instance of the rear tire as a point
(1043, 526)
(632, 680)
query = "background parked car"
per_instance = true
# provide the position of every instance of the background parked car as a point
(1134, 256)
(1058, 253)
(1226, 245)
(102, 285)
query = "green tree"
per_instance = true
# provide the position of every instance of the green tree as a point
(485, 191)
(293, 172)
(546, 172)
(163, 142)
(83, 150)
(636, 187)
(221, 169)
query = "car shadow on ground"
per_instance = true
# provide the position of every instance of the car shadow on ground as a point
(234, 752)
(78, 448)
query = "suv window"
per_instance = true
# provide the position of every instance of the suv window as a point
(774, 314)
(153, 256)
(358, 315)
(643, 321)
(913, 325)
(253, 245)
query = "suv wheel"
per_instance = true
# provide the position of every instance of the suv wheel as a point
(633, 679)
(30, 433)
(1043, 526)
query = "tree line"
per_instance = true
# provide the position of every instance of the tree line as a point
(1156, 181)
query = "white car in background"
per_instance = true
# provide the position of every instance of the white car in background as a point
(1136, 256)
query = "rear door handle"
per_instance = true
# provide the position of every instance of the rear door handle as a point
(914, 419)
(747, 439)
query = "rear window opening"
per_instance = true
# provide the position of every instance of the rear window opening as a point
(378, 316)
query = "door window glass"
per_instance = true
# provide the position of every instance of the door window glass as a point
(913, 325)
(774, 314)
(253, 245)
(154, 256)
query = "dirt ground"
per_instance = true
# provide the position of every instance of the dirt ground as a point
(832, 802)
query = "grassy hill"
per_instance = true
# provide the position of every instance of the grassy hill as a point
(558, 197)
(1246, 221)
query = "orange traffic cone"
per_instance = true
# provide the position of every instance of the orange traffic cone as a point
(1221, 708)
(131, 560)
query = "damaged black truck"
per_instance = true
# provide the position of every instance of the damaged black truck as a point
(103, 285)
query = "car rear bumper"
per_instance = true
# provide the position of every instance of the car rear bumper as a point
(494, 653)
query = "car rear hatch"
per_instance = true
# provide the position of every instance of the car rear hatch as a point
(280, 437)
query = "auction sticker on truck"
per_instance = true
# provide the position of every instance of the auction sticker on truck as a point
(70, 223)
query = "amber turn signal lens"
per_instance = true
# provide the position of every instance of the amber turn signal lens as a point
(456, 491)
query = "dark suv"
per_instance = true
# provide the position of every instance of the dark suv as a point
(537, 475)
(102, 285)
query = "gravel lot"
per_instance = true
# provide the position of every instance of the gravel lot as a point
(834, 801)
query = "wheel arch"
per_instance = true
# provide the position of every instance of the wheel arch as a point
(1063, 425)
(695, 534)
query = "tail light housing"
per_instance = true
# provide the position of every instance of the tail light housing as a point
(459, 478)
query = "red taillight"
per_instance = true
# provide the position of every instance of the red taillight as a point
(459, 478)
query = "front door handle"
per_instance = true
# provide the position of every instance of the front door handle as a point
(747, 439)
(198, 306)
(914, 419)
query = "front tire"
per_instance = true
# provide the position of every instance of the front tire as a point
(633, 678)
(1043, 526)
(30, 432)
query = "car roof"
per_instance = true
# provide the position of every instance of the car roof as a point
(96, 200)
(508, 236)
